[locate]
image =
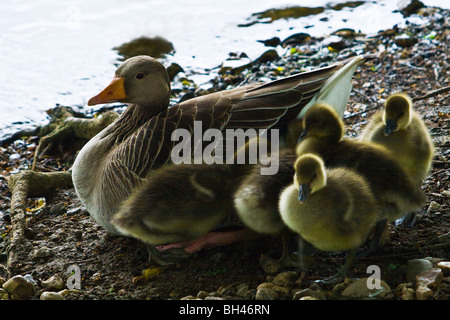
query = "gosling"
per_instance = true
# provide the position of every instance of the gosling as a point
(403, 132)
(392, 186)
(332, 209)
(256, 202)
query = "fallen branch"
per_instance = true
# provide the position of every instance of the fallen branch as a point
(432, 94)
(28, 184)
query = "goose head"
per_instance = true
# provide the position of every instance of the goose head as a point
(397, 112)
(309, 175)
(140, 80)
(322, 121)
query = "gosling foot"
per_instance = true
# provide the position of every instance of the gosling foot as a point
(408, 220)
(168, 256)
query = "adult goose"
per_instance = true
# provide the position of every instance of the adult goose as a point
(110, 167)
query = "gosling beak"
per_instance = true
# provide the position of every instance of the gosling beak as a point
(303, 192)
(114, 92)
(391, 125)
(303, 135)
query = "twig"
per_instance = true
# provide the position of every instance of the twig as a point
(432, 94)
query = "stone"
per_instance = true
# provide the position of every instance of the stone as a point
(416, 266)
(285, 279)
(271, 291)
(405, 40)
(42, 252)
(308, 298)
(48, 295)
(309, 292)
(241, 290)
(444, 266)
(53, 283)
(19, 288)
(424, 293)
(266, 294)
(430, 278)
(4, 294)
(426, 281)
(359, 290)
(406, 291)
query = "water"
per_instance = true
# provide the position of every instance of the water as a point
(54, 52)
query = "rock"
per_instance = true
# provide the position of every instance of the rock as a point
(308, 298)
(295, 39)
(157, 47)
(19, 288)
(202, 294)
(444, 266)
(424, 293)
(271, 291)
(411, 8)
(285, 279)
(272, 42)
(269, 55)
(426, 281)
(42, 252)
(4, 294)
(360, 290)
(266, 294)
(241, 290)
(416, 266)
(53, 283)
(48, 295)
(309, 292)
(433, 207)
(173, 70)
(430, 278)
(406, 291)
(405, 40)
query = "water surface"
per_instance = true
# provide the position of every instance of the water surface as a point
(54, 52)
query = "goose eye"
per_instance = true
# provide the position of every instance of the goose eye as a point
(140, 75)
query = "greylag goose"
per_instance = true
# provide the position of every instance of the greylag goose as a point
(112, 165)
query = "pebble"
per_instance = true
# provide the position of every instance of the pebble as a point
(406, 291)
(271, 291)
(416, 266)
(359, 290)
(4, 294)
(43, 252)
(433, 207)
(53, 283)
(426, 282)
(444, 266)
(19, 288)
(316, 294)
(48, 295)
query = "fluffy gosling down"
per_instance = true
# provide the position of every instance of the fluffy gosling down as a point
(403, 132)
(332, 209)
(189, 205)
(392, 186)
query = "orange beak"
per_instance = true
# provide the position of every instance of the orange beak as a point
(114, 92)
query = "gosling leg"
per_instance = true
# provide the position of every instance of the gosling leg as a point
(342, 273)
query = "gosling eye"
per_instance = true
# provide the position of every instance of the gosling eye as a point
(140, 75)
